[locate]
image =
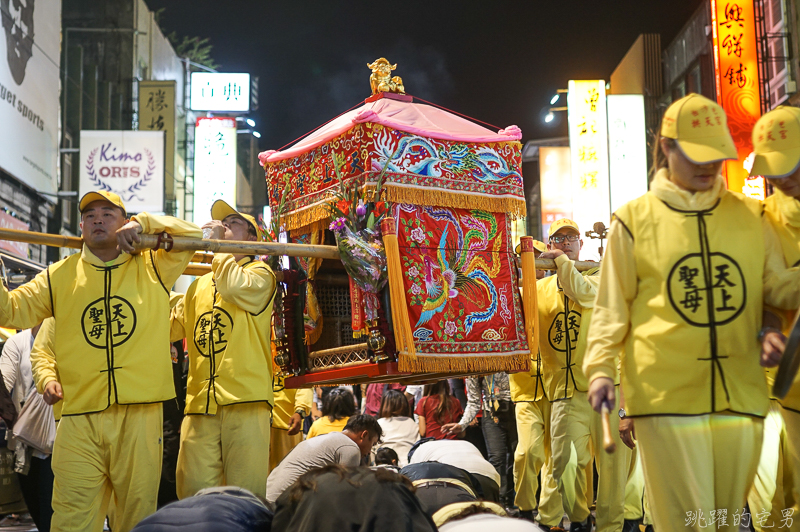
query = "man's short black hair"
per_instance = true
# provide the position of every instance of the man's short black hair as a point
(361, 422)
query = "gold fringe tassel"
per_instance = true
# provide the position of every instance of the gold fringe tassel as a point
(318, 216)
(530, 305)
(436, 197)
(456, 364)
(403, 335)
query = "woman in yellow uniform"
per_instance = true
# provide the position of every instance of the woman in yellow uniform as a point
(687, 270)
(776, 143)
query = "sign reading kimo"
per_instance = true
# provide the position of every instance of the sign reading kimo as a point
(128, 163)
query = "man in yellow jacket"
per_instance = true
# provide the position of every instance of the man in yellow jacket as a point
(291, 407)
(111, 365)
(565, 386)
(776, 143)
(225, 316)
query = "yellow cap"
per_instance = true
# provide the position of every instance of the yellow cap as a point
(102, 195)
(221, 210)
(445, 513)
(776, 143)
(560, 224)
(700, 127)
(540, 246)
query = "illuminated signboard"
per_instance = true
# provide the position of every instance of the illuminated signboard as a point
(627, 148)
(555, 185)
(588, 142)
(214, 165)
(220, 92)
(736, 64)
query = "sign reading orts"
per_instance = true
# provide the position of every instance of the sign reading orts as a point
(128, 163)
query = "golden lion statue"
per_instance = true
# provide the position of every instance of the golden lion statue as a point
(381, 79)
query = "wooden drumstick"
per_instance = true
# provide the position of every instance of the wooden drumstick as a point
(608, 441)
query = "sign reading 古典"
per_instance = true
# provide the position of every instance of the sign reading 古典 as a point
(220, 92)
(128, 163)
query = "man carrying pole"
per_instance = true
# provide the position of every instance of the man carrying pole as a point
(226, 316)
(111, 310)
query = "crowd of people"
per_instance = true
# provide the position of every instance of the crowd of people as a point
(170, 413)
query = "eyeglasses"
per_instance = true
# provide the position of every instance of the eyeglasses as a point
(558, 239)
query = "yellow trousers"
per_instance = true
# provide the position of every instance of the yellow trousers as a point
(771, 493)
(637, 507)
(107, 459)
(612, 473)
(230, 448)
(570, 425)
(281, 444)
(791, 421)
(695, 465)
(533, 457)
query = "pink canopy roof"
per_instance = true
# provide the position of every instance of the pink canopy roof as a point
(415, 118)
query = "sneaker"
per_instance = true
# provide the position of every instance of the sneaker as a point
(629, 525)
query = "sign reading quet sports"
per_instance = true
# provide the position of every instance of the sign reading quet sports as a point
(29, 91)
(128, 163)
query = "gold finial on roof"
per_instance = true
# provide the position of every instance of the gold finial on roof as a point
(381, 79)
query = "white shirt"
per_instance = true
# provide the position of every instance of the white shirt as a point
(484, 522)
(15, 364)
(457, 453)
(399, 433)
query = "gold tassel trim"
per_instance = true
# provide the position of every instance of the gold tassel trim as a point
(458, 364)
(403, 334)
(307, 220)
(436, 197)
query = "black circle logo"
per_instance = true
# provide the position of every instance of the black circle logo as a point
(706, 293)
(564, 327)
(212, 328)
(113, 324)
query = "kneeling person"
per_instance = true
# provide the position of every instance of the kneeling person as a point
(226, 317)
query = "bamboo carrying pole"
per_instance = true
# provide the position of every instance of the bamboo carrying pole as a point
(222, 246)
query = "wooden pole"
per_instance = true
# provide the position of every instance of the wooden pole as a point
(223, 246)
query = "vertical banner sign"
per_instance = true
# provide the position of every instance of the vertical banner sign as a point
(736, 64)
(588, 142)
(627, 148)
(555, 184)
(157, 113)
(127, 163)
(214, 165)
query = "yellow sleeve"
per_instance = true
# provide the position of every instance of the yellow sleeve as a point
(312, 431)
(169, 264)
(781, 284)
(302, 399)
(28, 305)
(250, 289)
(581, 289)
(43, 356)
(611, 316)
(177, 331)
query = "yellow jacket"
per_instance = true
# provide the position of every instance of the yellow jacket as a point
(528, 386)
(784, 214)
(287, 402)
(560, 342)
(681, 355)
(112, 335)
(43, 345)
(227, 314)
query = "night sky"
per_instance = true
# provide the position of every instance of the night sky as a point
(497, 61)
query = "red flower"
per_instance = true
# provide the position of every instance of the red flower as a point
(343, 206)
